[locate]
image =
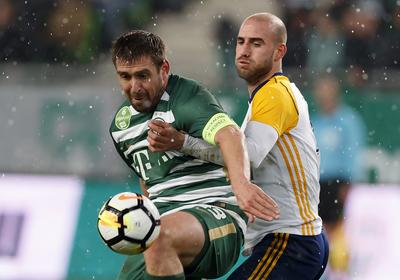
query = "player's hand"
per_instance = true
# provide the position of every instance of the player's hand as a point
(255, 202)
(162, 137)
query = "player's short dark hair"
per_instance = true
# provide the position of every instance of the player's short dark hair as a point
(136, 44)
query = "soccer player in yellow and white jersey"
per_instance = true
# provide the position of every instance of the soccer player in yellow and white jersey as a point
(284, 159)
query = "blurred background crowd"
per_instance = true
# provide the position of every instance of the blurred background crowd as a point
(356, 35)
(71, 31)
(58, 94)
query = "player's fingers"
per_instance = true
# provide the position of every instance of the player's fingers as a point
(264, 214)
(256, 209)
(158, 123)
(152, 146)
(155, 142)
(263, 197)
(268, 199)
(266, 208)
(262, 210)
(267, 202)
(250, 216)
(155, 136)
(157, 128)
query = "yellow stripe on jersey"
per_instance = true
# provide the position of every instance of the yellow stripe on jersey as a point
(304, 180)
(304, 227)
(302, 187)
(275, 105)
(216, 122)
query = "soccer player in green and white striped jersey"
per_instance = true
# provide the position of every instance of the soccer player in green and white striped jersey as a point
(202, 225)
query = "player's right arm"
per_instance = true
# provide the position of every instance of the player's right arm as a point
(163, 137)
(260, 138)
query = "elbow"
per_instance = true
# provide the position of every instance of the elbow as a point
(231, 132)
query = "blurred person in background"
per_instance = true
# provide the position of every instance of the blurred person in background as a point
(325, 43)
(283, 154)
(20, 32)
(202, 225)
(364, 40)
(9, 36)
(340, 134)
(74, 32)
(297, 18)
(391, 47)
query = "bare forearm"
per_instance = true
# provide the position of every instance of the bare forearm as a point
(231, 142)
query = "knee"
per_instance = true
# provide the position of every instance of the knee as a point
(167, 235)
(180, 232)
(166, 239)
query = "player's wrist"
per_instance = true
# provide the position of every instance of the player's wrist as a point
(239, 182)
(185, 143)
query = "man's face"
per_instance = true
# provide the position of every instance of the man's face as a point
(142, 82)
(254, 51)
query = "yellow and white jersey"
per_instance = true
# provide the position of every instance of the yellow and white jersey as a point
(289, 171)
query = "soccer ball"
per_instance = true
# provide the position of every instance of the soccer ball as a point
(129, 223)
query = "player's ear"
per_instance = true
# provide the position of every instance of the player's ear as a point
(165, 70)
(280, 52)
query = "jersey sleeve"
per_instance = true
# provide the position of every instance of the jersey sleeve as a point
(275, 107)
(194, 113)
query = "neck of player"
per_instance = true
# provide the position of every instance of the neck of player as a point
(253, 85)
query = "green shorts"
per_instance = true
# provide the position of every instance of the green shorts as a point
(222, 246)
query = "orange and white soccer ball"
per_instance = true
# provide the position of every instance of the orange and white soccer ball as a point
(129, 223)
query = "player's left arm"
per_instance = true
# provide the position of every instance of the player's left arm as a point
(251, 198)
(273, 114)
(260, 138)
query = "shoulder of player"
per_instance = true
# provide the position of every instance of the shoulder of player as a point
(275, 90)
(183, 87)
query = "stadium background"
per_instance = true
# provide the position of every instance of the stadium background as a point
(58, 93)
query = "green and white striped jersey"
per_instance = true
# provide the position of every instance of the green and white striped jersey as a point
(174, 180)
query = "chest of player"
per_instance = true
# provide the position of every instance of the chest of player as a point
(152, 167)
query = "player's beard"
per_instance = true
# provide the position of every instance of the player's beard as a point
(147, 105)
(147, 102)
(255, 75)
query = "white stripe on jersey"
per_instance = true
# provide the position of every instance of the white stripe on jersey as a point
(188, 163)
(214, 174)
(133, 111)
(200, 193)
(197, 199)
(130, 133)
(138, 145)
(173, 153)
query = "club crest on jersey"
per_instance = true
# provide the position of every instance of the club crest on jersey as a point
(123, 118)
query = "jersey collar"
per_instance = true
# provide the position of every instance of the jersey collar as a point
(262, 84)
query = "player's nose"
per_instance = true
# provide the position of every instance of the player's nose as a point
(135, 86)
